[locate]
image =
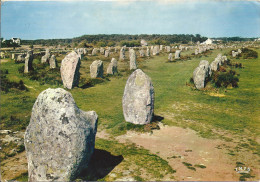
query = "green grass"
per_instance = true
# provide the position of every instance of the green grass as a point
(236, 113)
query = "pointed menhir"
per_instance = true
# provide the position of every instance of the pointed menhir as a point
(69, 70)
(138, 99)
(60, 138)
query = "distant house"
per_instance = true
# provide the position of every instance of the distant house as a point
(16, 40)
(208, 41)
(257, 39)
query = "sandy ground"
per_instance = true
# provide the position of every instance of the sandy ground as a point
(178, 145)
(175, 145)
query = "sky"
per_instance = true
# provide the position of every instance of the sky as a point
(67, 19)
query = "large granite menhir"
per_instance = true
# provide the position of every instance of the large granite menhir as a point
(60, 138)
(69, 70)
(138, 99)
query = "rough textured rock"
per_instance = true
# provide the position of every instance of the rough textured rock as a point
(170, 57)
(96, 69)
(178, 54)
(122, 54)
(132, 56)
(60, 137)
(53, 62)
(46, 57)
(156, 50)
(148, 52)
(138, 99)
(21, 58)
(200, 74)
(94, 52)
(102, 51)
(28, 62)
(161, 47)
(196, 52)
(69, 70)
(112, 67)
(168, 49)
(141, 53)
(107, 52)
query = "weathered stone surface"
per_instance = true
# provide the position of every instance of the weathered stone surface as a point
(112, 67)
(234, 54)
(141, 53)
(122, 54)
(138, 99)
(132, 56)
(107, 52)
(94, 52)
(21, 58)
(239, 51)
(196, 52)
(28, 62)
(96, 69)
(69, 69)
(170, 57)
(200, 74)
(46, 57)
(156, 50)
(53, 62)
(161, 47)
(60, 137)
(168, 49)
(178, 54)
(102, 51)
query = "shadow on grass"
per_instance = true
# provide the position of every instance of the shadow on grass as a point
(101, 164)
(157, 118)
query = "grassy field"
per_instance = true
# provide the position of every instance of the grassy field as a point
(213, 113)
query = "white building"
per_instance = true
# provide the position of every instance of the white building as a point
(16, 40)
(208, 41)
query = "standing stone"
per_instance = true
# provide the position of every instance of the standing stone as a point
(85, 51)
(69, 70)
(21, 58)
(102, 51)
(46, 57)
(196, 52)
(53, 62)
(138, 99)
(112, 67)
(122, 54)
(96, 69)
(94, 52)
(161, 47)
(107, 53)
(170, 57)
(60, 138)
(132, 56)
(168, 49)
(148, 52)
(239, 51)
(200, 74)
(141, 53)
(178, 54)
(156, 50)
(28, 62)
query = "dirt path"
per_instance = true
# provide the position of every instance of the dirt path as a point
(178, 145)
(14, 167)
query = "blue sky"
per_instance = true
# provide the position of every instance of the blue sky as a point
(68, 19)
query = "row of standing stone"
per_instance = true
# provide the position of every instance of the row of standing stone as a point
(205, 70)
(60, 138)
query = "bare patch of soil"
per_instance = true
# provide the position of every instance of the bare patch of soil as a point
(193, 157)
